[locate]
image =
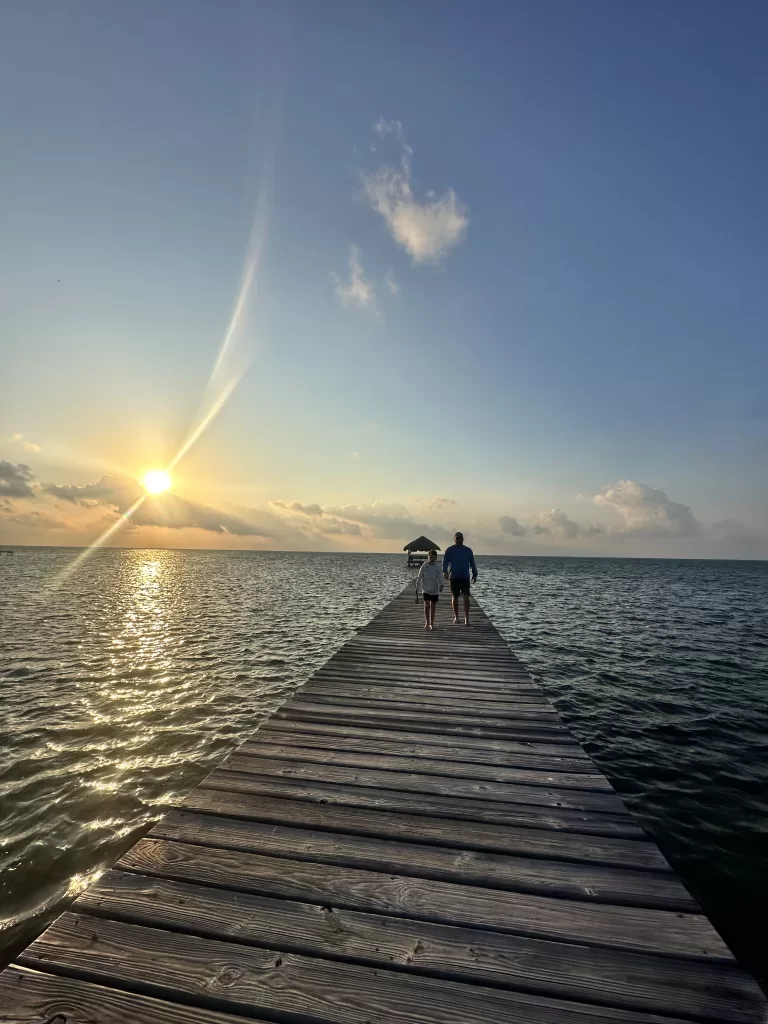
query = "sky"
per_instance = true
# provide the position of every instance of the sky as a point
(353, 272)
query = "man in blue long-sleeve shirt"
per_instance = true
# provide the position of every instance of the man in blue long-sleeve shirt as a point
(458, 562)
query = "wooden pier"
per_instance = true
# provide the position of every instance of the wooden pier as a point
(414, 838)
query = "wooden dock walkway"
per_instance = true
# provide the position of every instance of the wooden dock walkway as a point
(414, 838)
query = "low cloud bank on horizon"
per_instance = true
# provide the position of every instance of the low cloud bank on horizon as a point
(633, 514)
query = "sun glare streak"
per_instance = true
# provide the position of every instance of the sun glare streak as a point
(102, 539)
(234, 358)
(235, 354)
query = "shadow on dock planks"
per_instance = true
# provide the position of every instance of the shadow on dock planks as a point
(413, 838)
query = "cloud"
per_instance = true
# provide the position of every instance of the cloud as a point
(387, 520)
(108, 490)
(733, 529)
(28, 446)
(391, 284)
(358, 290)
(427, 229)
(511, 526)
(557, 523)
(16, 481)
(296, 506)
(168, 510)
(36, 519)
(435, 504)
(648, 511)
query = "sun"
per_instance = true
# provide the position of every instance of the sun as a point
(156, 481)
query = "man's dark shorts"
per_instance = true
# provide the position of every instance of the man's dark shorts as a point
(459, 587)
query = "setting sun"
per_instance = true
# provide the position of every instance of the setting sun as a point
(156, 481)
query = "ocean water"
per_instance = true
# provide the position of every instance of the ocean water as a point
(125, 681)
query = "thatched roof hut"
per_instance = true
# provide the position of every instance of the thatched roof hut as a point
(421, 544)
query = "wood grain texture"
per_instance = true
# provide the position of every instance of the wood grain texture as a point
(610, 977)
(524, 815)
(526, 755)
(32, 997)
(437, 706)
(232, 976)
(593, 924)
(565, 746)
(423, 828)
(430, 766)
(574, 880)
(542, 795)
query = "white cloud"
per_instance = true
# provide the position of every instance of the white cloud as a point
(557, 523)
(427, 229)
(511, 526)
(383, 127)
(358, 290)
(648, 511)
(387, 520)
(28, 446)
(391, 284)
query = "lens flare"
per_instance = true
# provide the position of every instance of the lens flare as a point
(156, 481)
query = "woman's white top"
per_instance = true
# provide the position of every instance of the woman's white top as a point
(430, 578)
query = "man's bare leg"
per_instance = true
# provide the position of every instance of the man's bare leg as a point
(455, 606)
(466, 609)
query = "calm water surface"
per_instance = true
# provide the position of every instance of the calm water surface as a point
(124, 685)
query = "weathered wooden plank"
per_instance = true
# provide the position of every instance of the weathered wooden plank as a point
(661, 932)
(429, 766)
(523, 758)
(610, 977)
(434, 707)
(410, 721)
(548, 719)
(574, 880)
(564, 746)
(424, 828)
(29, 996)
(411, 692)
(523, 815)
(549, 796)
(234, 977)
(411, 676)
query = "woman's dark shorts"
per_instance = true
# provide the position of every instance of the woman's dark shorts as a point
(430, 597)
(459, 587)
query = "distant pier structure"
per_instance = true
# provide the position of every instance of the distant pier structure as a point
(418, 549)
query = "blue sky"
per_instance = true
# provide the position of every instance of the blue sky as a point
(558, 234)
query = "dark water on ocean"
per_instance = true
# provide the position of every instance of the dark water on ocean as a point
(122, 688)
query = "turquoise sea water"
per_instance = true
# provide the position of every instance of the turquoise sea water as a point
(123, 685)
